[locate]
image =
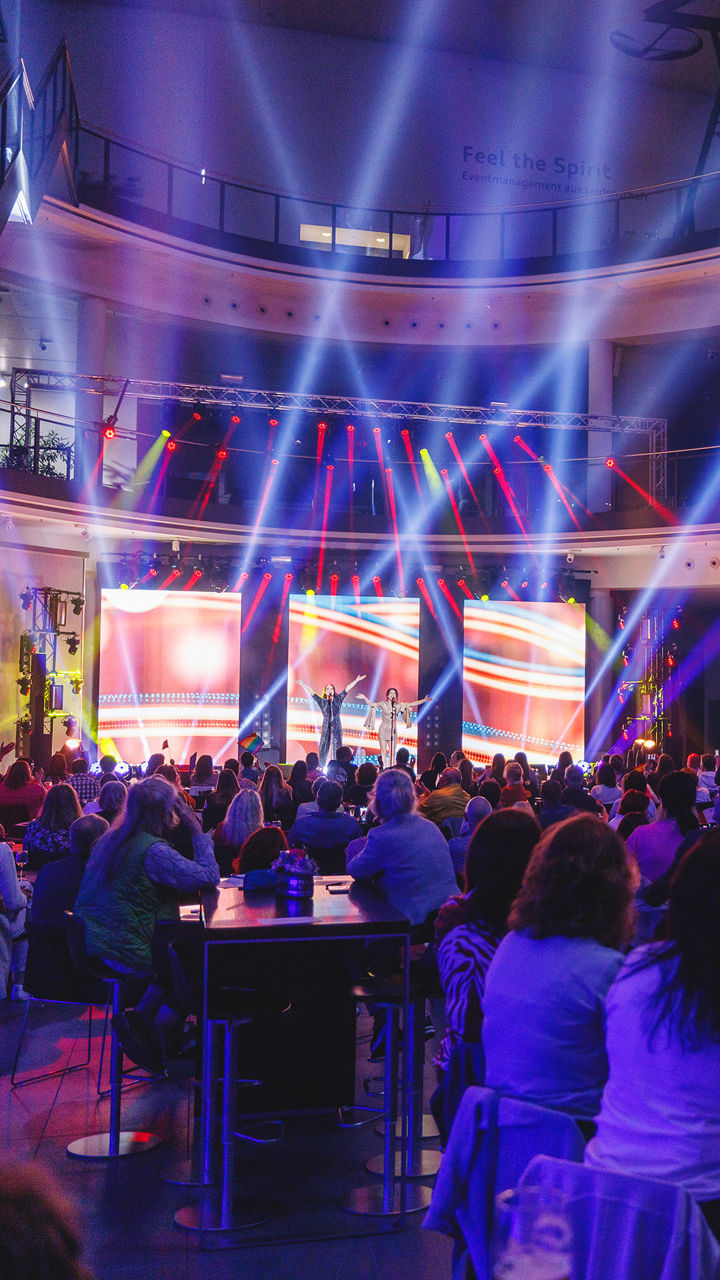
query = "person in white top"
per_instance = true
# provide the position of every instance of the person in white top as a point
(660, 1111)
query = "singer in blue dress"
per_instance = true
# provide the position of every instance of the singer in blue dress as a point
(330, 704)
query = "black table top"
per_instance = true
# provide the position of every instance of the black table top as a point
(340, 907)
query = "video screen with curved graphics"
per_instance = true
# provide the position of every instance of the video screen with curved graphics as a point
(523, 679)
(332, 640)
(169, 672)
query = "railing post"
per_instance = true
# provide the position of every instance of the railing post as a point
(36, 445)
(333, 226)
(170, 173)
(390, 235)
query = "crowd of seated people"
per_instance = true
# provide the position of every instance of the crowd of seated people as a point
(553, 993)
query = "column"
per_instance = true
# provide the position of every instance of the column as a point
(600, 401)
(601, 718)
(90, 358)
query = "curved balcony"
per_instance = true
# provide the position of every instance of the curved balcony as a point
(526, 240)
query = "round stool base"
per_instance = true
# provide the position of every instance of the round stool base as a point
(97, 1145)
(206, 1215)
(424, 1165)
(183, 1174)
(429, 1128)
(369, 1201)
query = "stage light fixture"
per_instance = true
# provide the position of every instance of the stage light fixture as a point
(221, 454)
(23, 685)
(197, 414)
(350, 427)
(77, 603)
(108, 431)
(610, 462)
(171, 445)
(273, 422)
(235, 419)
(73, 642)
(26, 598)
(76, 684)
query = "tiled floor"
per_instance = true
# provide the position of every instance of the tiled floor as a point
(127, 1209)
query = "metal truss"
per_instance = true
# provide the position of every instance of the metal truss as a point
(288, 401)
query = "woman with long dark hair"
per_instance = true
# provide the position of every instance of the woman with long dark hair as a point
(438, 765)
(277, 799)
(660, 1113)
(656, 844)
(545, 989)
(330, 704)
(468, 929)
(48, 836)
(19, 787)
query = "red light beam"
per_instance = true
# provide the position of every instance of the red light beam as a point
(458, 519)
(262, 588)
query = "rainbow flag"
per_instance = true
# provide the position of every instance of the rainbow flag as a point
(251, 742)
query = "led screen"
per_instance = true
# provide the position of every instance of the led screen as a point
(523, 679)
(169, 671)
(334, 639)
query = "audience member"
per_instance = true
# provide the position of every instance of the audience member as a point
(217, 804)
(706, 777)
(576, 797)
(530, 781)
(552, 809)
(108, 802)
(48, 836)
(629, 822)
(133, 879)
(312, 761)
(260, 850)
(447, 801)
(248, 767)
(39, 1229)
(57, 769)
(155, 761)
(405, 854)
(108, 765)
(660, 1112)
(545, 989)
(606, 791)
(84, 783)
(344, 757)
(311, 806)
(497, 769)
(15, 903)
(329, 827)
(634, 780)
(490, 789)
(656, 844)
(233, 765)
(514, 791)
(244, 816)
(277, 798)
(204, 777)
(429, 778)
(171, 774)
(58, 882)
(468, 929)
(632, 802)
(664, 765)
(476, 809)
(299, 785)
(467, 779)
(365, 778)
(618, 765)
(402, 761)
(18, 788)
(564, 761)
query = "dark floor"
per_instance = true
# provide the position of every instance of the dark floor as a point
(127, 1209)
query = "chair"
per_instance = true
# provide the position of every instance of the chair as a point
(51, 977)
(491, 1142)
(331, 862)
(116, 1142)
(14, 818)
(629, 1228)
(452, 826)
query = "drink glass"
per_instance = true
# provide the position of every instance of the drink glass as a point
(21, 861)
(532, 1236)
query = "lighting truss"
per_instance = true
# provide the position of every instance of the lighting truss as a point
(24, 381)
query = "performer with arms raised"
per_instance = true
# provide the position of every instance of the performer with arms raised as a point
(390, 708)
(330, 703)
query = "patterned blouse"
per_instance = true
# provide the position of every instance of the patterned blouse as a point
(464, 957)
(43, 846)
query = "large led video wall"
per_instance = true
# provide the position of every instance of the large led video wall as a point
(334, 639)
(523, 679)
(169, 672)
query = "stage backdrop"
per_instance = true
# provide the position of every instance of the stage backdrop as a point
(333, 640)
(523, 679)
(169, 671)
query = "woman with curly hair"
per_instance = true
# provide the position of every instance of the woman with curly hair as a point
(546, 986)
(660, 1114)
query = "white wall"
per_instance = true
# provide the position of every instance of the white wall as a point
(343, 119)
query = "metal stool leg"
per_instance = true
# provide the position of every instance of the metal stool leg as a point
(116, 1142)
(420, 1163)
(56, 1071)
(224, 1213)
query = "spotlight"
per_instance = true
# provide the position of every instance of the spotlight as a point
(108, 431)
(76, 684)
(77, 603)
(350, 427)
(235, 419)
(26, 598)
(23, 685)
(221, 455)
(197, 413)
(73, 642)
(171, 445)
(273, 422)
(610, 462)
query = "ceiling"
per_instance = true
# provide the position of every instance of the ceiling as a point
(569, 34)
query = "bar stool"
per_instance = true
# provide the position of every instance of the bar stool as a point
(421, 1163)
(225, 1212)
(116, 1141)
(393, 1196)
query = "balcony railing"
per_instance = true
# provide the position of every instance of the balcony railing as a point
(208, 208)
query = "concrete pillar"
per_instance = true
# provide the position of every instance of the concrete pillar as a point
(600, 401)
(602, 625)
(90, 358)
